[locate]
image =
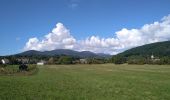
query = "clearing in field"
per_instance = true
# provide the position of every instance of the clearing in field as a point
(89, 82)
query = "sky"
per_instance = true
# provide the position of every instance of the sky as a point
(101, 26)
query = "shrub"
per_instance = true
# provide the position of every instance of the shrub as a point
(118, 59)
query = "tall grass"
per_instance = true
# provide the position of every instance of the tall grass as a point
(14, 70)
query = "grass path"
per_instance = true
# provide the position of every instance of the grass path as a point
(89, 82)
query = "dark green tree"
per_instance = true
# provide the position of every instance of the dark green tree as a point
(65, 60)
(118, 59)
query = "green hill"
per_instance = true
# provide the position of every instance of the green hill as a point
(142, 54)
(159, 49)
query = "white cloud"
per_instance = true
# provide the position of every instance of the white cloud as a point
(59, 38)
(123, 40)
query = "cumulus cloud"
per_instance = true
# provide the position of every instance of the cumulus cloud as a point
(124, 39)
(128, 38)
(59, 38)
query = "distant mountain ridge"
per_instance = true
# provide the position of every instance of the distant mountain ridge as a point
(159, 49)
(68, 52)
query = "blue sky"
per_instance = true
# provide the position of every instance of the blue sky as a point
(21, 20)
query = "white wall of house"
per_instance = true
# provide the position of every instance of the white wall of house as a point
(3, 61)
(40, 63)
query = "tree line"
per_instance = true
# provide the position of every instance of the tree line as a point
(57, 59)
(118, 59)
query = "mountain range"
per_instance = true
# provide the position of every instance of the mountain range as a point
(159, 49)
(82, 54)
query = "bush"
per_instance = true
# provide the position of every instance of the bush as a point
(165, 60)
(118, 59)
(65, 60)
(3, 65)
(136, 60)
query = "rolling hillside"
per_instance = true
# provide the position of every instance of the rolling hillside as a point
(159, 49)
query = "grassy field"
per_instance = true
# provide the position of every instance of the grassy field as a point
(89, 82)
(10, 70)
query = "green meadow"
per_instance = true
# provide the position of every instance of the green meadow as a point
(89, 82)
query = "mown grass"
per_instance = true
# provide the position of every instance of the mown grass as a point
(89, 82)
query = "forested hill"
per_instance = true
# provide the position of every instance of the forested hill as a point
(59, 52)
(159, 49)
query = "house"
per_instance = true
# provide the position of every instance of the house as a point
(5, 61)
(154, 59)
(83, 61)
(152, 56)
(41, 62)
